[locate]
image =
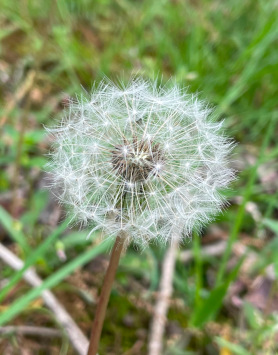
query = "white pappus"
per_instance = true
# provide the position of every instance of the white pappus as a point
(142, 158)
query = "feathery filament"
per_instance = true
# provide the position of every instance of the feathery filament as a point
(141, 158)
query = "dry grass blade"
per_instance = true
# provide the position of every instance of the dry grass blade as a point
(31, 330)
(162, 304)
(76, 336)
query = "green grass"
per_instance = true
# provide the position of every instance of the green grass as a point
(226, 52)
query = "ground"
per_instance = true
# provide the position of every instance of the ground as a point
(225, 298)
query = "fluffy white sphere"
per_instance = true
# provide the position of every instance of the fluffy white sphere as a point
(143, 158)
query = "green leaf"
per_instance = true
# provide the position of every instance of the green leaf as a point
(209, 307)
(198, 262)
(31, 260)
(21, 303)
(252, 315)
(38, 162)
(38, 202)
(235, 348)
(77, 238)
(13, 227)
(271, 224)
(34, 137)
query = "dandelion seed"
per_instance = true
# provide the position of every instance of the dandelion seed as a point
(151, 154)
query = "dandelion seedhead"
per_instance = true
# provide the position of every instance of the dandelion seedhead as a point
(144, 159)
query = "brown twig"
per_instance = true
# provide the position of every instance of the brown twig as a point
(162, 303)
(76, 337)
(104, 296)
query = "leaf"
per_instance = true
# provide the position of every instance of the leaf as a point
(38, 203)
(271, 224)
(31, 260)
(198, 268)
(38, 162)
(209, 307)
(252, 315)
(77, 238)
(235, 348)
(21, 303)
(13, 227)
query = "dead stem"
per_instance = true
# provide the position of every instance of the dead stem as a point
(74, 333)
(163, 298)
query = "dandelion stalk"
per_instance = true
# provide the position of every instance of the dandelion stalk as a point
(104, 296)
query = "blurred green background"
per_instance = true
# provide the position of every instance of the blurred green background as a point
(226, 51)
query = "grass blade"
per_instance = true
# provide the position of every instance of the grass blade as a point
(212, 304)
(31, 260)
(21, 303)
(12, 226)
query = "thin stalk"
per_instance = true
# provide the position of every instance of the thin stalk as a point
(105, 295)
(163, 299)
